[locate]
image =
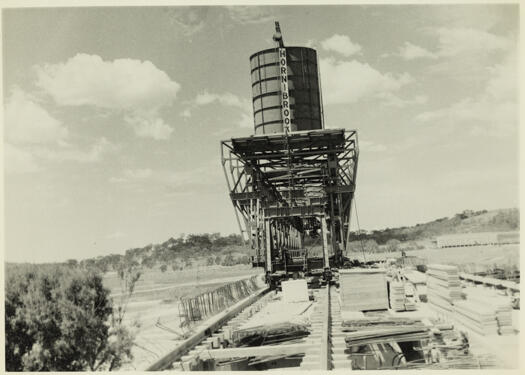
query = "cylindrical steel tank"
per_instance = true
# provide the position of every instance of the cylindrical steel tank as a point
(303, 87)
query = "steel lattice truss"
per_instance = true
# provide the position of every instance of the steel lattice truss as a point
(292, 183)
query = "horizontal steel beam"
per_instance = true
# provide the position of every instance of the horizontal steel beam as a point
(245, 196)
(278, 212)
(340, 189)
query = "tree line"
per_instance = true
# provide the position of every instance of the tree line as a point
(176, 253)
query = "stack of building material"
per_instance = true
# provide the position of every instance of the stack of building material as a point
(504, 319)
(397, 296)
(387, 334)
(377, 322)
(443, 286)
(501, 305)
(363, 289)
(410, 304)
(415, 277)
(479, 317)
(295, 291)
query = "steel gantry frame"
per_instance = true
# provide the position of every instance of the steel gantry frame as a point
(282, 185)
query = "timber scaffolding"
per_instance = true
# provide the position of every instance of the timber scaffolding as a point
(318, 334)
(286, 185)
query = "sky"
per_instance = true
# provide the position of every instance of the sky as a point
(113, 117)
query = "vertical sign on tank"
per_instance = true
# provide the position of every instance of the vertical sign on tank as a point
(285, 96)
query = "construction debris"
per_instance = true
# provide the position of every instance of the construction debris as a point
(269, 334)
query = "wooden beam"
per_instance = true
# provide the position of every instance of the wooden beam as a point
(256, 351)
(326, 351)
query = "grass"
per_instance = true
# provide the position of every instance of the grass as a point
(171, 285)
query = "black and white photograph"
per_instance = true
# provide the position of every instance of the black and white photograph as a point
(261, 186)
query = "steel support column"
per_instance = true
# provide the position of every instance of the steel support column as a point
(268, 245)
(324, 233)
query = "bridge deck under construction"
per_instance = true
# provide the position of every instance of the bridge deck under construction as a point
(266, 330)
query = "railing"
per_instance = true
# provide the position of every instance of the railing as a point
(210, 303)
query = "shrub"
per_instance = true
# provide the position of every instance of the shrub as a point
(61, 319)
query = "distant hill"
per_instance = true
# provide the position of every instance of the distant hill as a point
(210, 249)
(177, 253)
(468, 221)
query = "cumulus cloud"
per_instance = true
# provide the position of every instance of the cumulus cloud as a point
(29, 158)
(115, 235)
(149, 126)
(119, 84)
(137, 88)
(34, 136)
(502, 80)
(91, 154)
(190, 20)
(133, 175)
(490, 118)
(138, 173)
(351, 81)
(455, 41)
(493, 112)
(396, 101)
(186, 113)
(341, 44)
(411, 52)
(18, 160)
(246, 121)
(249, 14)
(166, 182)
(226, 99)
(27, 122)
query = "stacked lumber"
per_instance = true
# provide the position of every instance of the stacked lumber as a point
(387, 334)
(410, 304)
(443, 287)
(479, 317)
(295, 291)
(349, 325)
(504, 319)
(415, 277)
(363, 289)
(352, 315)
(501, 305)
(397, 296)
